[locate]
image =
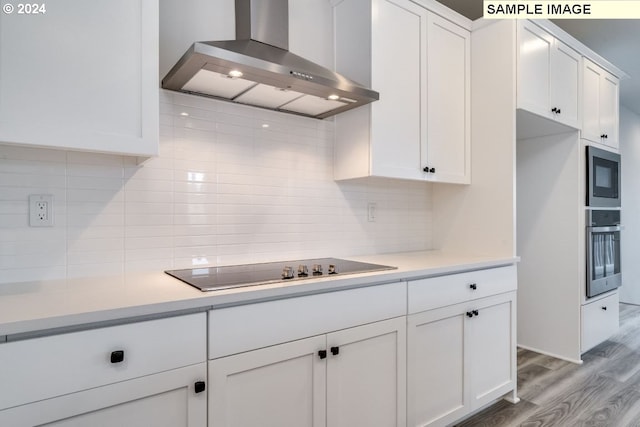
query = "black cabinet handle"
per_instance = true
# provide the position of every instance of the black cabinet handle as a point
(604, 135)
(469, 314)
(335, 350)
(555, 110)
(473, 286)
(117, 356)
(475, 312)
(432, 170)
(425, 169)
(604, 308)
(322, 354)
(199, 386)
(558, 111)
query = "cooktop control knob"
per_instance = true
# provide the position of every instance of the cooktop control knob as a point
(332, 269)
(317, 269)
(287, 273)
(303, 270)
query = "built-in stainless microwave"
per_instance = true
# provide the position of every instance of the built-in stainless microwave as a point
(603, 178)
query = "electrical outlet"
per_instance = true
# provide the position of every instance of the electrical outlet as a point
(41, 210)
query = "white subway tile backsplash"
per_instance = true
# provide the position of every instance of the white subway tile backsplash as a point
(95, 257)
(148, 231)
(98, 269)
(224, 190)
(33, 273)
(15, 152)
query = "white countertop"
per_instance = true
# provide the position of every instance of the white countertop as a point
(33, 306)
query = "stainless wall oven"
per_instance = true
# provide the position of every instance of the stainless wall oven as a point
(603, 178)
(603, 251)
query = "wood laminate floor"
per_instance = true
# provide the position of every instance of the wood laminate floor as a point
(602, 392)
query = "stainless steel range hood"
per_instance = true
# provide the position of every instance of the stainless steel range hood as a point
(258, 69)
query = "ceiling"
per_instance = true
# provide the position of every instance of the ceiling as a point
(617, 40)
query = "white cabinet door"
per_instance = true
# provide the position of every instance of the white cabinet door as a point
(591, 101)
(282, 385)
(398, 70)
(534, 65)
(565, 84)
(548, 75)
(82, 75)
(609, 109)
(366, 375)
(436, 355)
(600, 105)
(491, 340)
(419, 62)
(447, 148)
(460, 358)
(351, 377)
(600, 320)
(167, 399)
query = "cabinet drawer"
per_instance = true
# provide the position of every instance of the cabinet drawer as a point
(248, 327)
(435, 292)
(50, 366)
(600, 320)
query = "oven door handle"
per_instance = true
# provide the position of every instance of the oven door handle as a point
(608, 229)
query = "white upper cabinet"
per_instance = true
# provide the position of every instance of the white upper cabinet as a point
(446, 150)
(600, 100)
(420, 65)
(82, 76)
(548, 76)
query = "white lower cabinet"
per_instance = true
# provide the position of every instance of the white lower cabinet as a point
(600, 320)
(460, 357)
(335, 359)
(167, 399)
(146, 373)
(352, 377)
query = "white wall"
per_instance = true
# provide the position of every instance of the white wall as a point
(183, 22)
(223, 190)
(630, 151)
(550, 230)
(480, 218)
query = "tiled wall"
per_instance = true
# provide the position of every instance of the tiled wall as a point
(224, 190)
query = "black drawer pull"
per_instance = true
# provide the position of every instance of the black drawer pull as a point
(199, 386)
(322, 354)
(475, 312)
(604, 308)
(473, 286)
(335, 350)
(117, 356)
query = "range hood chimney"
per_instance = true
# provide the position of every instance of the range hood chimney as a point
(258, 69)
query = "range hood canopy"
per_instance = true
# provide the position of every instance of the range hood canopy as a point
(258, 69)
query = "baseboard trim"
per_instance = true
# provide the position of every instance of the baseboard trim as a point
(546, 353)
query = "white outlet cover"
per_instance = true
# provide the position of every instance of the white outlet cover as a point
(41, 210)
(372, 207)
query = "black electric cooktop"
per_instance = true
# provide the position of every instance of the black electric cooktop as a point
(236, 276)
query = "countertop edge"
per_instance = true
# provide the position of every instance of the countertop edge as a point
(190, 299)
